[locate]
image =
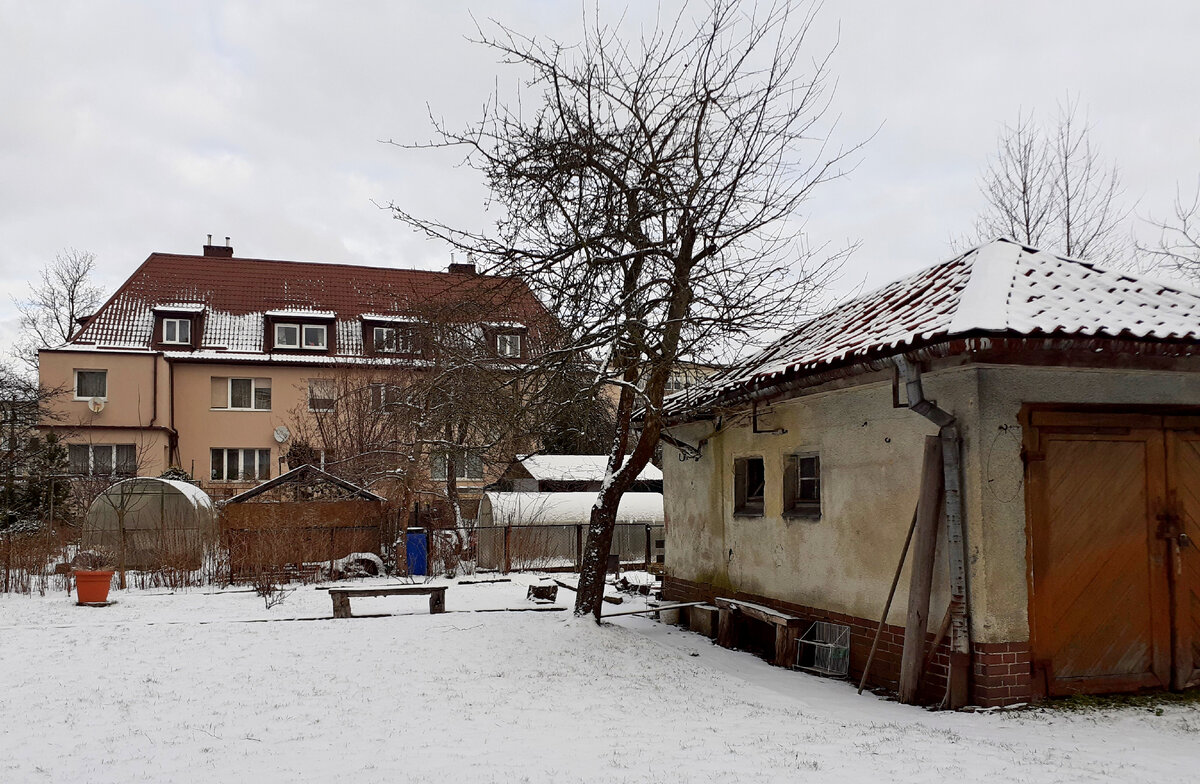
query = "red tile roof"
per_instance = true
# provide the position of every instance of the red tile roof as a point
(237, 293)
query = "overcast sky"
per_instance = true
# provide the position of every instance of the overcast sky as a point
(133, 127)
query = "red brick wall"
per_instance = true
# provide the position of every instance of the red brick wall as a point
(1000, 672)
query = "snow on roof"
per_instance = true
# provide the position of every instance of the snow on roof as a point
(566, 508)
(579, 468)
(1000, 288)
(238, 294)
(301, 314)
(179, 307)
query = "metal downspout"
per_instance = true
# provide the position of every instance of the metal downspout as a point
(948, 432)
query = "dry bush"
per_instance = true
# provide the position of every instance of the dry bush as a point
(28, 560)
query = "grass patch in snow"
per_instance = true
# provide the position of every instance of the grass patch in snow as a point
(1153, 702)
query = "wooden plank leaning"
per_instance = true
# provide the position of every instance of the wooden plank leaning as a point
(929, 513)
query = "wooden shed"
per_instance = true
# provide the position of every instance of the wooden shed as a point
(304, 516)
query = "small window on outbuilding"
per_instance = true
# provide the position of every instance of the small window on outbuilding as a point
(749, 485)
(802, 485)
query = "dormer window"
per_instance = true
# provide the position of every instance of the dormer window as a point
(393, 340)
(288, 330)
(508, 345)
(177, 331)
(177, 324)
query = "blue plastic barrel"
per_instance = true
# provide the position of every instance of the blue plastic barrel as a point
(417, 553)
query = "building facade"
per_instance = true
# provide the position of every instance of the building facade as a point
(216, 364)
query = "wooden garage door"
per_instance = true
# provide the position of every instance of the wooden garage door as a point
(1100, 611)
(1182, 532)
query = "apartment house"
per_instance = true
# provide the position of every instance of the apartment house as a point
(203, 362)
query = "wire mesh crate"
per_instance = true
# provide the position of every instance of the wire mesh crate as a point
(825, 649)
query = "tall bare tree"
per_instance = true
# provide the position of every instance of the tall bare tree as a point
(1050, 188)
(63, 293)
(651, 197)
(1178, 246)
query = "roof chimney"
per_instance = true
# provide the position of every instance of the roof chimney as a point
(456, 268)
(219, 251)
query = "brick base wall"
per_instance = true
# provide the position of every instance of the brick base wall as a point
(1000, 672)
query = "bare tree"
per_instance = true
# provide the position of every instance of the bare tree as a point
(1178, 246)
(651, 199)
(63, 294)
(1050, 189)
(437, 407)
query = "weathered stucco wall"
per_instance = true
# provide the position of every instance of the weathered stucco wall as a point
(870, 467)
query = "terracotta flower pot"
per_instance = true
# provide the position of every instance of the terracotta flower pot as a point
(92, 586)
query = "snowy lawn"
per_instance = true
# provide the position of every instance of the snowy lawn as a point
(187, 688)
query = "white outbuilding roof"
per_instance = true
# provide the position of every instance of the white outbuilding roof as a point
(1001, 288)
(565, 508)
(577, 468)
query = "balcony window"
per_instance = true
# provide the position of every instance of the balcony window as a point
(322, 394)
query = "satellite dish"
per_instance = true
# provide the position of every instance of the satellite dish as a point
(96, 404)
(282, 434)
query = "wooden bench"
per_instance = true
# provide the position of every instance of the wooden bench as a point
(341, 596)
(787, 627)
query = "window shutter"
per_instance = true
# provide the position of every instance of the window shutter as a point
(220, 392)
(739, 484)
(791, 488)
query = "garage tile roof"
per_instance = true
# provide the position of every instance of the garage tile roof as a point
(1001, 288)
(235, 295)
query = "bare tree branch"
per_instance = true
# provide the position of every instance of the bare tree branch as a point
(651, 197)
(1050, 189)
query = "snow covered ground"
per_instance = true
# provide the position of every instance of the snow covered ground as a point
(191, 687)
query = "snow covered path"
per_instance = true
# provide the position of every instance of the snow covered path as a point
(179, 688)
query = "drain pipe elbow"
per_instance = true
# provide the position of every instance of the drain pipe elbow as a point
(914, 392)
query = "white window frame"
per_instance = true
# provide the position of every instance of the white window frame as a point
(324, 345)
(393, 340)
(177, 323)
(505, 351)
(438, 462)
(331, 387)
(254, 388)
(299, 336)
(91, 370)
(112, 449)
(241, 459)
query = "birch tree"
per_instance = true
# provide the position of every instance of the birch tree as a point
(63, 294)
(651, 191)
(1049, 188)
